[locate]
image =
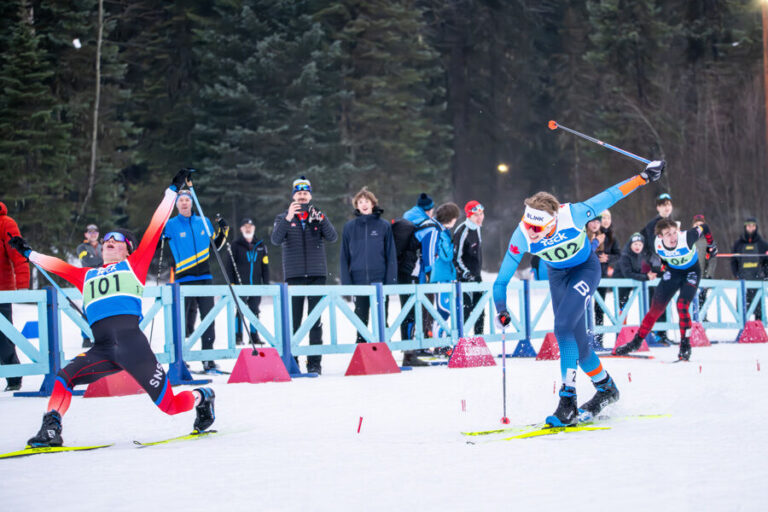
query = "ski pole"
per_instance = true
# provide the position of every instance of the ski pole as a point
(234, 267)
(553, 125)
(157, 282)
(738, 255)
(50, 279)
(240, 315)
(504, 418)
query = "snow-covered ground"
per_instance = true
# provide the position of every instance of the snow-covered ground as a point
(295, 446)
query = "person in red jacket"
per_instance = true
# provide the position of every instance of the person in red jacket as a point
(14, 275)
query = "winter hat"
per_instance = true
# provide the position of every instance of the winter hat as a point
(184, 192)
(91, 227)
(425, 202)
(472, 207)
(245, 221)
(698, 218)
(750, 220)
(663, 198)
(636, 237)
(301, 184)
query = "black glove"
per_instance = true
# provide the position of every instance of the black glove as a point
(181, 179)
(654, 170)
(504, 318)
(221, 222)
(468, 276)
(712, 250)
(315, 215)
(21, 245)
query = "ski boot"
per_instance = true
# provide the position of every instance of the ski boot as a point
(211, 368)
(566, 414)
(629, 347)
(607, 393)
(50, 432)
(204, 410)
(685, 349)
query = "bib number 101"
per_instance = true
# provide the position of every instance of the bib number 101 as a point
(103, 285)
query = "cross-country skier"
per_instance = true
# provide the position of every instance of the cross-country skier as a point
(677, 249)
(556, 233)
(112, 301)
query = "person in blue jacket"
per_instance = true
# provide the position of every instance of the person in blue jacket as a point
(426, 233)
(556, 233)
(368, 252)
(443, 269)
(190, 247)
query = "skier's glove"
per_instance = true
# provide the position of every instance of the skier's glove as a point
(315, 215)
(221, 222)
(653, 170)
(180, 179)
(712, 250)
(503, 318)
(21, 245)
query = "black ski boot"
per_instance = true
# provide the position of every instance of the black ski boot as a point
(607, 393)
(629, 347)
(411, 359)
(567, 413)
(204, 410)
(50, 432)
(685, 349)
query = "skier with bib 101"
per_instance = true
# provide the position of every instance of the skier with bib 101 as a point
(556, 233)
(112, 300)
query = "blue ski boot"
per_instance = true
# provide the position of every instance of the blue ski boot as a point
(50, 432)
(566, 414)
(204, 410)
(607, 393)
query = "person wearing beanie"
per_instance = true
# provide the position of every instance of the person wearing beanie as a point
(302, 231)
(190, 252)
(248, 264)
(468, 240)
(750, 242)
(632, 264)
(112, 297)
(426, 234)
(14, 275)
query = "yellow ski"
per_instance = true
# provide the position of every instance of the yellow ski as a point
(193, 435)
(535, 426)
(50, 449)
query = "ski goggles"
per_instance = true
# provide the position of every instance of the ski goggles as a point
(302, 185)
(476, 209)
(118, 237)
(537, 220)
(535, 227)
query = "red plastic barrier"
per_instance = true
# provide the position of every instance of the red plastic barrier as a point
(753, 332)
(255, 369)
(117, 384)
(372, 359)
(625, 336)
(549, 349)
(699, 336)
(471, 353)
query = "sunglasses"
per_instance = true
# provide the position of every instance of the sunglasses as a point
(535, 228)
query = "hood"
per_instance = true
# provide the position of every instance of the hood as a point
(744, 236)
(3, 209)
(376, 213)
(416, 215)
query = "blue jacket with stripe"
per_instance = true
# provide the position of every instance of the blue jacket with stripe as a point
(190, 247)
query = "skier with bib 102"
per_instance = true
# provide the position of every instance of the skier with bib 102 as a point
(112, 300)
(556, 233)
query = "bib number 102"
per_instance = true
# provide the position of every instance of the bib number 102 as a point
(560, 253)
(103, 285)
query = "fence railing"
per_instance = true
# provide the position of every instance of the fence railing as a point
(726, 307)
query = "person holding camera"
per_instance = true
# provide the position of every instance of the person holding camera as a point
(302, 231)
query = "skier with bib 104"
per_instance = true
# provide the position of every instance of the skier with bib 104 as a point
(112, 300)
(556, 233)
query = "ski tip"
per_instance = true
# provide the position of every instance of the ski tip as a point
(552, 125)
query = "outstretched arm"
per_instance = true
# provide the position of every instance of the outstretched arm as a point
(141, 257)
(74, 275)
(518, 245)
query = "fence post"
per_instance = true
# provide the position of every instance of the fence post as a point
(285, 306)
(381, 312)
(743, 286)
(178, 373)
(459, 310)
(644, 302)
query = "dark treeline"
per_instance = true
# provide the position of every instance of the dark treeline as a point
(403, 96)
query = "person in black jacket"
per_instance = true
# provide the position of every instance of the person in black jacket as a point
(248, 264)
(608, 253)
(368, 252)
(633, 265)
(468, 257)
(302, 231)
(750, 242)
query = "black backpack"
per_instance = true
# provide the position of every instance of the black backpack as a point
(406, 245)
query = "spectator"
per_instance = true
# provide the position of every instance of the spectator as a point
(608, 254)
(89, 254)
(407, 248)
(706, 262)
(249, 264)
(467, 241)
(750, 242)
(14, 275)
(443, 270)
(633, 265)
(302, 231)
(664, 209)
(368, 252)
(426, 233)
(190, 248)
